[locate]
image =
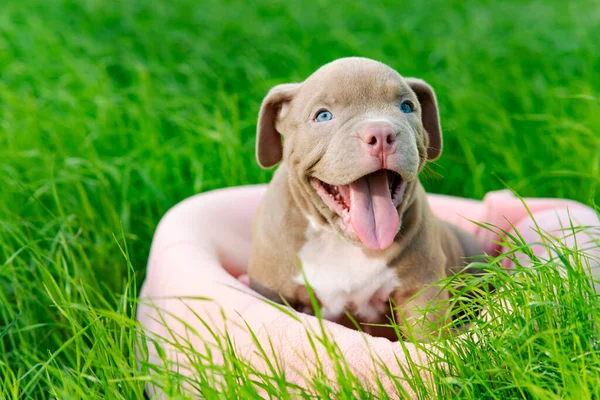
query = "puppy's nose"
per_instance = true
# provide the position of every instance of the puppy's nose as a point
(379, 140)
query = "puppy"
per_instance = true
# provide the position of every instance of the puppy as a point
(345, 210)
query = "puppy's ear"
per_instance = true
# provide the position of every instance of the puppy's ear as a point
(269, 148)
(429, 115)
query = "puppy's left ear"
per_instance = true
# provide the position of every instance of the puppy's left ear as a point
(269, 147)
(429, 115)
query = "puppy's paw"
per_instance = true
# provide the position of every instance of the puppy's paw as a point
(380, 300)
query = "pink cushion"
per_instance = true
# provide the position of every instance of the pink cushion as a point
(203, 244)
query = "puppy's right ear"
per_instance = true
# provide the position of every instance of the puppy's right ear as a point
(430, 116)
(269, 148)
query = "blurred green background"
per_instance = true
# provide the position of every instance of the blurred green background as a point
(113, 111)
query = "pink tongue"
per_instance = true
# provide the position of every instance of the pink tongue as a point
(373, 216)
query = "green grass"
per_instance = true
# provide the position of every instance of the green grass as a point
(113, 111)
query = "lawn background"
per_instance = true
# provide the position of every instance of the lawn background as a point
(113, 111)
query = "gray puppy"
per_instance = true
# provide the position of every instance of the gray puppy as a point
(346, 200)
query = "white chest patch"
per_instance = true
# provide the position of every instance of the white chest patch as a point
(342, 276)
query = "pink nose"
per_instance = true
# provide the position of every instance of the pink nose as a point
(379, 140)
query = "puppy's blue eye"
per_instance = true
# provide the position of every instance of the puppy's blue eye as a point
(406, 107)
(323, 116)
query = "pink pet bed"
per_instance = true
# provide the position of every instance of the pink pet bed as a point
(201, 250)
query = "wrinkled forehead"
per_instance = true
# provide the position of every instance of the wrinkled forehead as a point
(352, 83)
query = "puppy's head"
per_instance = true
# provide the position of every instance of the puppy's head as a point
(356, 136)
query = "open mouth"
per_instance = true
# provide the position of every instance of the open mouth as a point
(367, 206)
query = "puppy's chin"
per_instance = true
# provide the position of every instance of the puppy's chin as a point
(366, 210)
